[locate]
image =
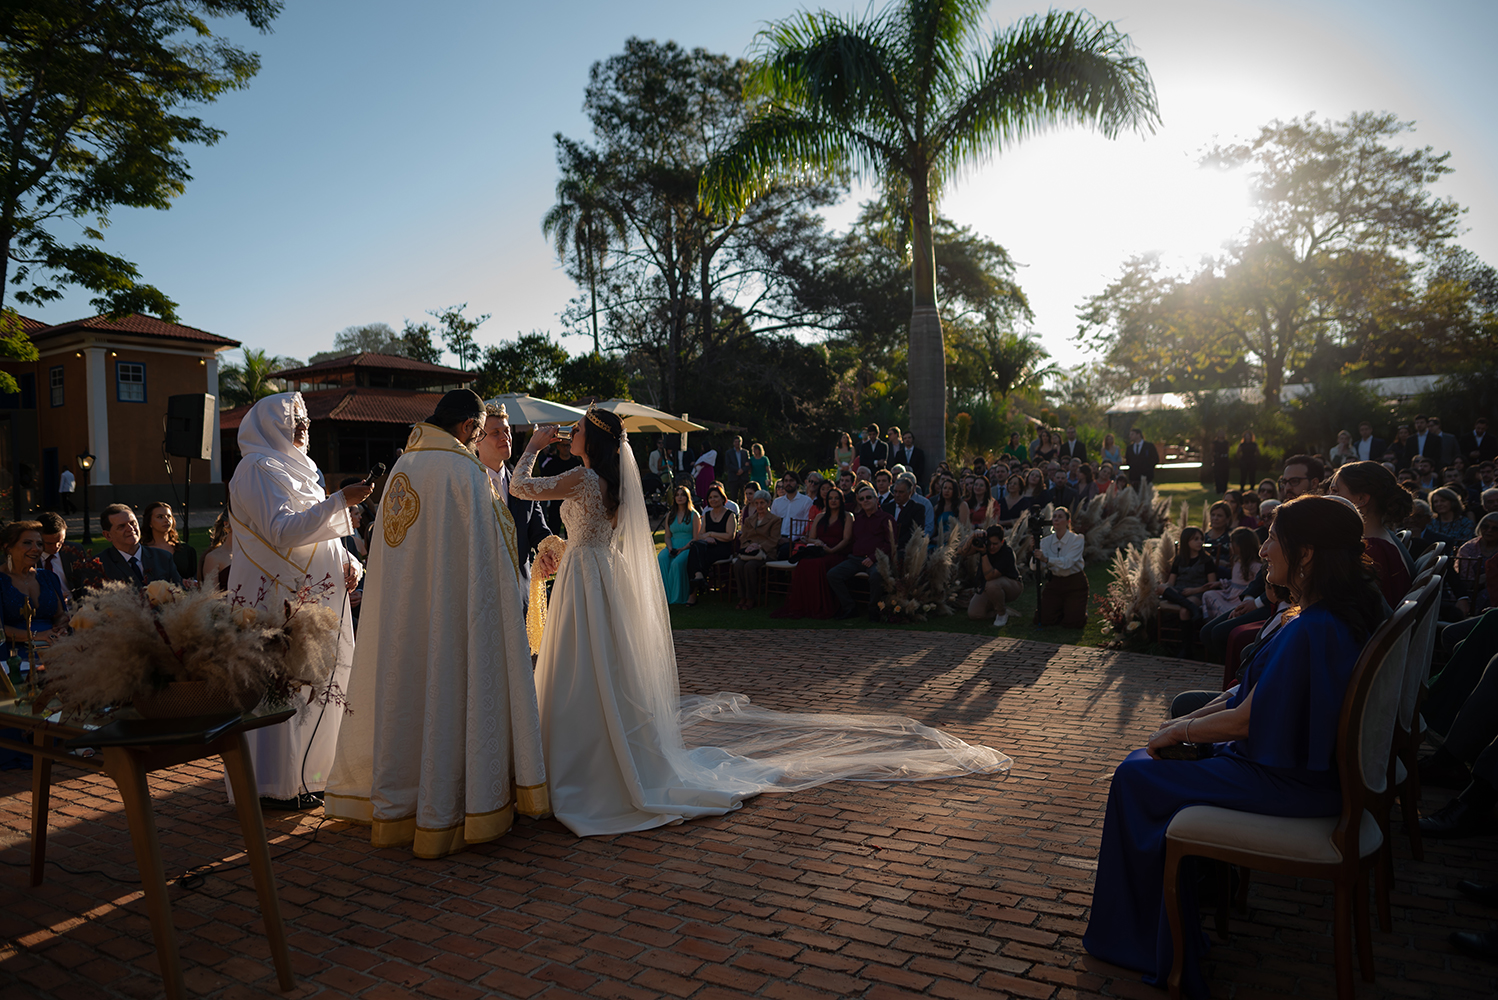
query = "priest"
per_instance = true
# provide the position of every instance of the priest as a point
(443, 744)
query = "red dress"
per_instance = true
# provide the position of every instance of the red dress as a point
(811, 596)
(1393, 577)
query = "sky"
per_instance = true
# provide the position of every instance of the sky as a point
(393, 158)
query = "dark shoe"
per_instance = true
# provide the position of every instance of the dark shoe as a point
(1460, 817)
(1443, 770)
(1479, 892)
(297, 803)
(1478, 944)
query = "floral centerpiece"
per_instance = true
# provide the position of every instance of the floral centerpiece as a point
(130, 643)
(927, 579)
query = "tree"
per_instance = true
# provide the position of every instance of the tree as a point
(91, 117)
(532, 363)
(416, 343)
(1327, 274)
(250, 381)
(584, 222)
(413, 341)
(592, 375)
(457, 332)
(897, 97)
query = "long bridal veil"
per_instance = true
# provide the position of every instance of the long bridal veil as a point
(725, 742)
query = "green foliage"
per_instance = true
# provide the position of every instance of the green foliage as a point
(1339, 270)
(457, 332)
(908, 98)
(592, 375)
(416, 343)
(1338, 403)
(532, 363)
(14, 346)
(245, 383)
(94, 95)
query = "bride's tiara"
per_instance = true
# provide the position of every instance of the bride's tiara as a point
(598, 421)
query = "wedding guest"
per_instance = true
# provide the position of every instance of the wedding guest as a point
(1143, 457)
(1342, 451)
(1450, 523)
(1243, 548)
(983, 509)
(1215, 541)
(1015, 449)
(873, 454)
(1221, 463)
(1110, 454)
(1063, 599)
(1014, 502)
(682, 527)
(829, 535)
(714, 541)
(126, 558)
(1449, 448)
(1072, 447)
(1477, 445)
(1193, 572)
(949, 509)
(214, 571)
(759, 537)
(1248, 461)
(794, 510)
(759, 465)
(1380, 503)
(21, 584)
(161, 534)
(73, 565)
(1001, 580)
(735, 467)
(843, 453)
(911, 456)
(1401, 447)
(1368, 447)
(1283, 764)
(1267, 490)
(1473, 560)
(1046, 447)
(1248, 515)
(873, 531)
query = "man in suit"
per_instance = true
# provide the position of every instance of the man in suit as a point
(1448, 445)
(911, 457)
(530, 515)
(1071, 447)
(126, 558)
(1142, 458)
(873, 453)
(906, 512)
(1368, 447)
(1425, 442)
(735, 467)
(1060, 494)
(882, 482)
(70, 563)
(1478, 445)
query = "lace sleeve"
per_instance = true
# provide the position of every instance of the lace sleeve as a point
(528, 487)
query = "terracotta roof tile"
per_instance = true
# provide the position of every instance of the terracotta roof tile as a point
(363, 406)
(139, 325)
(368, 359)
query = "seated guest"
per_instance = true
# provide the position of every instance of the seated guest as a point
(1468, 758)
(21, 584)
(1248, 514)
(794, 510)
(1001, 580)
(908, 515)
(759, 537)
(1215, 540)
(1234, 500)
(215, 569)
(1473, 560)
(1193, 572)
(883, 481)
(928, 511)
(873, 532)
(1014, 502)
(68, 562)
(1063, 599)
(1268, 490)
(983, 509)
(1418, 525)
(161, 534)
(126, 558)
(1283, 764)
(1060, 494)
(827, 538)
(1451, 522)
(949, 509)
(1243, 550)
(682, 526)
(714, 542)
(1086, 485)
(1380, 502)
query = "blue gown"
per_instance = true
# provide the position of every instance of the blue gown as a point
(674, 569)
(12, 601)
(1285, 767)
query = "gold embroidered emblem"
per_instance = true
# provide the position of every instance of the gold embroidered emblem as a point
(402, 505)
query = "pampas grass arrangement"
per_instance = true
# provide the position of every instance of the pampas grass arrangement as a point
(128, 643)
(928, 580)
(1119, 518)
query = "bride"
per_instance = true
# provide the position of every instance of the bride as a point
(624, 750)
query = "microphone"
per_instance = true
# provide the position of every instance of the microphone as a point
(376, 472)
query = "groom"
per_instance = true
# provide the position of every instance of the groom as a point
(443, 742)
(530, 517)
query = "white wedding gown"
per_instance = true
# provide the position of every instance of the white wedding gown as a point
(624, 751)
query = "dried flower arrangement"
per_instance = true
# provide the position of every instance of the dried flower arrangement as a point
(128, 643)
(1131, 599)
(928, 580)
(1120, 518)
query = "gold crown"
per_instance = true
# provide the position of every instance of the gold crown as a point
(593, 416)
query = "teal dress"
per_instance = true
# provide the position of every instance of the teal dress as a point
(674, 568)
(759, 471)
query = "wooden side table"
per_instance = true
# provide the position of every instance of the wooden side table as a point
(130, 749)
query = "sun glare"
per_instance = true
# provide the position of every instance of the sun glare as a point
(1202, 209)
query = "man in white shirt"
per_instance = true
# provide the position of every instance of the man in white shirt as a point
(882, 483)
(1368, 447)
(66, 484)
(794, 510)
(1063, 600)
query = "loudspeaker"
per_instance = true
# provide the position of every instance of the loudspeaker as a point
(189, 425)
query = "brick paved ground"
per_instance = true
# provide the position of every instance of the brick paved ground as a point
(958, 889)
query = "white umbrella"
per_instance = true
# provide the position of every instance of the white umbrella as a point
(647, 419)
(526, 410)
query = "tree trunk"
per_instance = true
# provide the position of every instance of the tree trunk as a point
(593, 287)
(928, 360)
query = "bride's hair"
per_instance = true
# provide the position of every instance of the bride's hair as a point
(602, 443)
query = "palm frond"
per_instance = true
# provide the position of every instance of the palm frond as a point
(828, 67)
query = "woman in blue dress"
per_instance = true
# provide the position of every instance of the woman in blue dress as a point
(683, 526)
(1278, 760)
(21, 584)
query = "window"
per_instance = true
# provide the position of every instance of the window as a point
(130, 377)
(56, 384)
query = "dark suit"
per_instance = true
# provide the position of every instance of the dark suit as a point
(1486, 452)
(530, 528)
(735, 472)
(873, 455)
(1074, 449)
(1142, 462)
(1376, 448)
(1060, 496)
(906, 521)
(154, 563)
(913, 459)
(1431, 450)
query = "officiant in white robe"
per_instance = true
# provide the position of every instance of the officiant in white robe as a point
(443, 746)
(287, 533)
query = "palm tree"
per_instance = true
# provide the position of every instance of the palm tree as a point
(584, 224)
(902, 97)
(243, 384)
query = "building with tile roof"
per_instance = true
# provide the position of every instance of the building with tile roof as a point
(101, 387)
